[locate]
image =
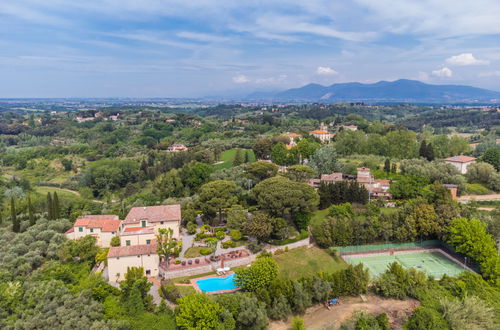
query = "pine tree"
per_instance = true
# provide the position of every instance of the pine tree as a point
(247, 156)
(16, 224)
(31, 216)
(50, 214)
(387, 165)
(238, 160)
(56, 211)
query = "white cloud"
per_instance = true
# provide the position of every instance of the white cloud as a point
(241, 79)
(465, 59)
(201, 36)
(326, 71)
(443, 72)
(490, 74)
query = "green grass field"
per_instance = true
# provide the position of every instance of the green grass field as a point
(306, 261)
(432, 262)
(227, 157)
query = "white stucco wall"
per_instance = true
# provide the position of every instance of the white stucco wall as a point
(117, 267)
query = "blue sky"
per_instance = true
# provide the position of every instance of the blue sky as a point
(185, 48)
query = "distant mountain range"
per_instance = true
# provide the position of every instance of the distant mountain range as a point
(402, 90)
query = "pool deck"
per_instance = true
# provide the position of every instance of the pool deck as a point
(197, 288)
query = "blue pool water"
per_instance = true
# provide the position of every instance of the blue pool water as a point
(216, 283)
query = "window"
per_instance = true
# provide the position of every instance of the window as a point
(143, 223)
(113, 232)
(127, 243)
(80, 229)
(161, 222)
(91, 230)
(148, 272)
(148, 241)
(138, 256)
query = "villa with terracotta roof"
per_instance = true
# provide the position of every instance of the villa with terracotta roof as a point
(121, 258)
(461, 162)
(103, 227)
(322, 133)
(161, 216)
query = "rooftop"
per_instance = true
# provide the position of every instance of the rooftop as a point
(460, 159)
(99, 217)
(106, 225)
(131, 250)
(138, 231)
(318, 132)
(154, 213)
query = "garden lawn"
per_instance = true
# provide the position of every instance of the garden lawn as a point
(194, 252)
(227, 157)
(318, 216)
(307, 261)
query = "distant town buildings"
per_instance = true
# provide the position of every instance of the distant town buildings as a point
(461, 162)
(349, 127)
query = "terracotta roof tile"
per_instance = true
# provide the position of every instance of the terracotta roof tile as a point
(105, 225)
(138, 231)
(99, 217)
(460, 159)
(131, 250)
(154, 213)
(318, 132)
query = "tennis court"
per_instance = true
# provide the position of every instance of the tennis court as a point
(433, 262)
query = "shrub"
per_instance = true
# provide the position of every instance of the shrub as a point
(298, 323)
(205, 252)
(115, 241)
(476, 189)
(191, 228)
(220, 235)
(255, 247)
(228, 244)
(235, 235)
(258, 275)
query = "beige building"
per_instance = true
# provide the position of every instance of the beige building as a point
(121, 258)
(461, 162)
(322, 133)
(103, 227)
(162, 216)
(137, 236)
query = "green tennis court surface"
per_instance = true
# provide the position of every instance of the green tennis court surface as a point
(433, 263)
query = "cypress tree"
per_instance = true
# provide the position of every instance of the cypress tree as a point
(423, 149)
(387, 165)
(1, 216)
(56, 209)
(238, 160)
(430, 152)
(31, 216)
(50, 214)
(16, 224)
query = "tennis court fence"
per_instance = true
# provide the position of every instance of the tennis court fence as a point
(386, 247)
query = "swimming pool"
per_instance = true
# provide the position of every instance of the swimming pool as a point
(217, 284)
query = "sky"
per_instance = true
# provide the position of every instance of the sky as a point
(197, 48)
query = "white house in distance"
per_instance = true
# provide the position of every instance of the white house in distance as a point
(460, 162)
(322, 133)
(103, 227)
(120, 258)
